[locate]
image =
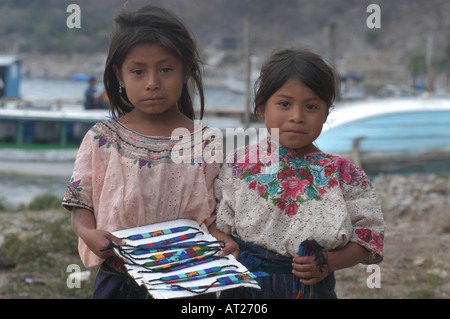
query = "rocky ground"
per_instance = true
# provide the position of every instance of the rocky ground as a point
(417, 242)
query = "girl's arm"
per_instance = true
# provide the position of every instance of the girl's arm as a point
(231, 247)
(309, 273)
(83, 222)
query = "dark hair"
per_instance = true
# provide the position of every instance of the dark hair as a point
(152, 25)
(308, 67)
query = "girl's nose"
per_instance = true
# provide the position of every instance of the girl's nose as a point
(296, 115)
(153, 81)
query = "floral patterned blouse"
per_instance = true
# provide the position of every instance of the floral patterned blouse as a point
(277, 204)
(128, 180)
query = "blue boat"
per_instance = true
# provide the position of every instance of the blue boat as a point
(42, 142)
(390, 133)
(45, 129)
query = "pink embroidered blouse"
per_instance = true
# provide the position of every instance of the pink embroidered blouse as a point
(128, 180)
(277, 204)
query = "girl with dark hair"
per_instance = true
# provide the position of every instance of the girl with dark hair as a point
(152, 25)
(273, 207)
(125, 174)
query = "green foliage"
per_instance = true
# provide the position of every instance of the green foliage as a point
(45, 201)
(40, 244)
(2, 205)
(416, 63)
(41, 27)
(372, 35)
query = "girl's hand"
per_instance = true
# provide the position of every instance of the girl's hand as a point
(231, 247)
(309, 273)
(306, 269)
(99, 242)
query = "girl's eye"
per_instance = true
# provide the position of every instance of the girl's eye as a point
(284, 104)
(310, 107)
(166, 70)
(137, 72)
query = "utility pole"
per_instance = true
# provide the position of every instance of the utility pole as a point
(247, 71)
(332, 42)
(429, 64)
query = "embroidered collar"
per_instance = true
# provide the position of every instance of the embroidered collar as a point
(293, 180)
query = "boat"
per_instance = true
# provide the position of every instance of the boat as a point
(42, 141)
(391, 135)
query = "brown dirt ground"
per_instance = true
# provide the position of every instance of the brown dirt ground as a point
(416, 254)
(416, 261)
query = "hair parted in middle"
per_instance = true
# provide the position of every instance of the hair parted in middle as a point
(152, 25)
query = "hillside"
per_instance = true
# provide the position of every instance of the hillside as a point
(38, 27)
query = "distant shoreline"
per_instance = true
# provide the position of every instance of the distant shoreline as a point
(61, 66)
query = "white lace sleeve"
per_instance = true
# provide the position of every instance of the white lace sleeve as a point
(365, 214)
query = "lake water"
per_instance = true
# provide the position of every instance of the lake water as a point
(53, 89)
(15, 190)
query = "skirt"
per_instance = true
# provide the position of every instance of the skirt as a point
(113, 282)
(280, 283)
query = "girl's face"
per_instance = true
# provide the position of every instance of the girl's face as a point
(153, 79)
(298, 113)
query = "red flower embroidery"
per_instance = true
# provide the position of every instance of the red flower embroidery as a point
(298, 180)
(257, 168)
(261, 189)
(332, 183)
(286, 173)
(291, 209)
(292, 186)
(324, 162)
(370, 239)
(364, 234)
(281, 204)
(331, 169)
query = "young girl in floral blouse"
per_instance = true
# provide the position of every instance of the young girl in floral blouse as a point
(125, 175)
(270, 205)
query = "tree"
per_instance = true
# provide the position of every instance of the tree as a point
(416, 65)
